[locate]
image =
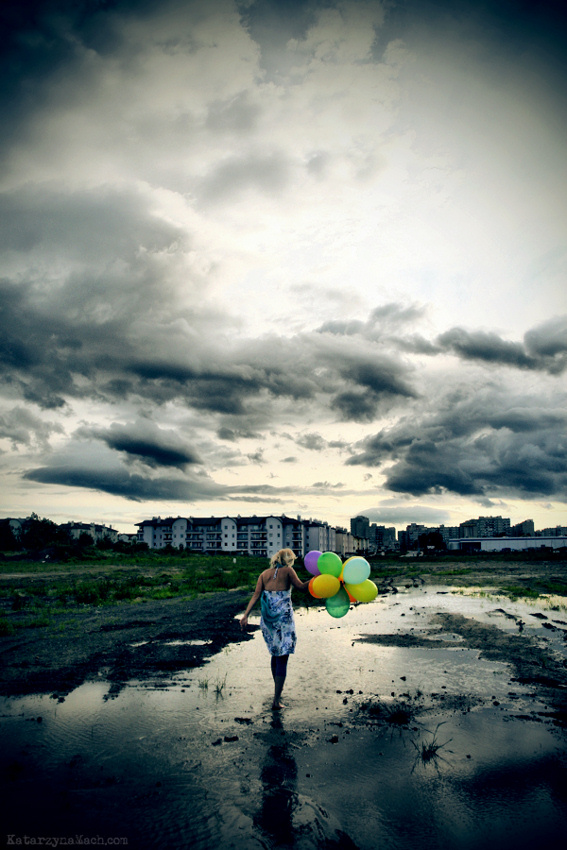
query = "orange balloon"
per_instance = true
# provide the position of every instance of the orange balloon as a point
(311, 591)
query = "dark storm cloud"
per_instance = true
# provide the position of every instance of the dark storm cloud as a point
(547, 343)
(137, 487)
(133, 486)
(145, 441)
(544, 347)
(77, 341)
(488, 347)
(370, 384)
(474, 445)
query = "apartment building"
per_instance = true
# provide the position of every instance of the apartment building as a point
(255, 535)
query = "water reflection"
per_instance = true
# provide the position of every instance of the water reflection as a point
(278, 777)
(286, 816)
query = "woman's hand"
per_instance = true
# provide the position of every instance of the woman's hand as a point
(244, 622)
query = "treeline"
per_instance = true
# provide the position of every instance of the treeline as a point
(44, 539)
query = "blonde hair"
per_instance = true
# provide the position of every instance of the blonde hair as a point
(284, 556)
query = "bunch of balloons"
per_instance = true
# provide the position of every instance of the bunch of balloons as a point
(337, 583)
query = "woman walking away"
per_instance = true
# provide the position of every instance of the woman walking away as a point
(277, 623)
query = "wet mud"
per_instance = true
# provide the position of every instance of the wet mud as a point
(149, 639)
(427, 719)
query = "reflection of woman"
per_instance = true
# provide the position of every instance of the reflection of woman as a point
(278, 626)
(279, 790)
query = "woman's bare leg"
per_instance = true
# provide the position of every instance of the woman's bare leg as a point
(278, 688)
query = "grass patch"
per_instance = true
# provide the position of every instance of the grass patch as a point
(536, 589)
(396, 714)
(6, 628)
(170, 578)
(220, 686)
(462, 571)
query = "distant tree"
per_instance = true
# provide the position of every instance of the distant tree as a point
(8, 542)
(84, 540)
(432, 539)
(39, 533)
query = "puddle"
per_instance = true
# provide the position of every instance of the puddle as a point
(200, 761)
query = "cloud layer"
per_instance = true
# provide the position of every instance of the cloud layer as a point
(252, 257)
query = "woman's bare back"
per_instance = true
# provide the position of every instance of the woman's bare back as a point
(285, 578)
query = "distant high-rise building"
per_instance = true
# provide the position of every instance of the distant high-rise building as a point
(523, 529)
(360, 527)
(485, 526)
(384, 538)
(413, 531)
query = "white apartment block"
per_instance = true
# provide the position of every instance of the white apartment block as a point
(261, 536)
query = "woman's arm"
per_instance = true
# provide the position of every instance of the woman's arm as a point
(255, 596)
(296, 581)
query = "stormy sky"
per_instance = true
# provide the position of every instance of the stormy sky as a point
(303, 257)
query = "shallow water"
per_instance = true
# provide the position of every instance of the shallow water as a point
(200, 761)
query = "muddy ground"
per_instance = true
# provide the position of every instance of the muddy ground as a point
(102, 640)
(136, 640)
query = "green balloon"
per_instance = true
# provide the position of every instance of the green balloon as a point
(330, 564)
(339, 604)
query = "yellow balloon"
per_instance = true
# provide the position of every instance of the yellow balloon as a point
(325, 585)
(366, 591)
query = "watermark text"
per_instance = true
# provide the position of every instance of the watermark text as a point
(65, 841)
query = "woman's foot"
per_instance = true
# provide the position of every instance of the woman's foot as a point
(277, 706)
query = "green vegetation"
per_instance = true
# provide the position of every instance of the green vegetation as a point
(71, 577)
(6, 628)
(34, 601)
(538, 588)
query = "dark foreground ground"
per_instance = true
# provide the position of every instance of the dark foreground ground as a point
(402, 728)
(100, 640)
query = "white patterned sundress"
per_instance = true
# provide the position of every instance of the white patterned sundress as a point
(277, 623)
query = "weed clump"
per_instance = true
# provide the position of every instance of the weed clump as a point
(400, 713)
(428, 750)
